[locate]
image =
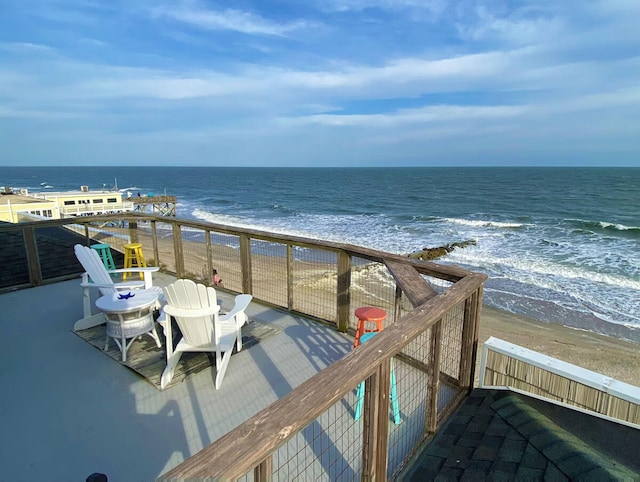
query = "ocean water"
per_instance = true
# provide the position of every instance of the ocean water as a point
(559, 244)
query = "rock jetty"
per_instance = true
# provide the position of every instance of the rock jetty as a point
(429, 254)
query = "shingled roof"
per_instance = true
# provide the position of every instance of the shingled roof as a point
(498, 434)
(55, 250)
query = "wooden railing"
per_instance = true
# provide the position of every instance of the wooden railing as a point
(429, 340)
(252, 445)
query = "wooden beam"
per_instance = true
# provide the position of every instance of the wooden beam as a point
(469, 340)
(264, 471)
(177, 249)
(412, 284)
(382, 432)
(343, 292)
(434, 378)
(290, 301)
(154, 242)
(133, 232)
(245, 261)
(209, 275)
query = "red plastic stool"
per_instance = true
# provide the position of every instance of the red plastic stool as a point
(368, 314)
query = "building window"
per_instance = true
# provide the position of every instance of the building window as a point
(97, 201)
(69, 203)
(112, 200)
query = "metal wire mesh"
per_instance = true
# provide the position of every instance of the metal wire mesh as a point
(412, 389)
(13, 258)
(371, 285)
(166, 256)
(269, 271)
(194, 250)
(225, 259)
(329, 448)
(452, 324)
(314, 282)
(440, 285)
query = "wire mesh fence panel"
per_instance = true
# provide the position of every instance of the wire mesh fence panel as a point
(371, 285)
(166, 256)
(315, 282)
(116, 236)
(13, 259)
(418, 350)
(269, 271)
(452, 325)
(225, 259)
(57, 243)
(194, 252)
(113, 233)
(411, 390)
(330, 448)
(144, 237)
(403, 307)
(440, 285)
(447, 394)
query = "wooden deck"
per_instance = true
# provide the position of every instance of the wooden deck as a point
(68, 410)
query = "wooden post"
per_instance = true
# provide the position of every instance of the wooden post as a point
(177, 249)
(245, 261)
(133, 232)
(289, 276)
(343, 292)
(382, 435)
(434, 378)
(154, 241)
(397, 305)
(87, 237)
(209, 275)
(369, 423)
(474, 338)
(33, 259)
(376, 423)
(264, 471)
(466, 344)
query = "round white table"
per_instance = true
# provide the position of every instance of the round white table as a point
(128, 317)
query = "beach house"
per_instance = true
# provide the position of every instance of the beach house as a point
(60, 204)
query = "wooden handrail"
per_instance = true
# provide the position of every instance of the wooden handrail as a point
(445, 272)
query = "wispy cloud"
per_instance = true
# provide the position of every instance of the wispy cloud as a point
(227, 19)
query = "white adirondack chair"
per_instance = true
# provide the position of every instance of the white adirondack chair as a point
(195, 309)
(96, 276)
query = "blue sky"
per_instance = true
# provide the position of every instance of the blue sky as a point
(320, 82)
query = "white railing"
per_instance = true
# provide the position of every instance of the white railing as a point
(508, 366)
